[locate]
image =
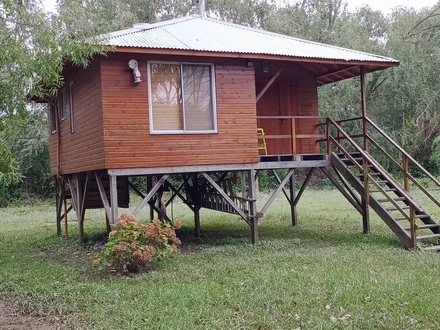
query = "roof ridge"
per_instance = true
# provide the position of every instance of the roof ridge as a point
(283, 36)
(152, 26)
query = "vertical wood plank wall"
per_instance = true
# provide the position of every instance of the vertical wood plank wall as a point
(294, 93)
(112, 128)
(84, 149)
(128, 142)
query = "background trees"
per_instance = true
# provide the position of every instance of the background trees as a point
(404, 100)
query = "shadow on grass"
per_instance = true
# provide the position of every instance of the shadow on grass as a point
(227, 234)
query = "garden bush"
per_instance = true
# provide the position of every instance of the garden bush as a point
(132, 247)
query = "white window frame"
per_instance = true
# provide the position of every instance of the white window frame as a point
(213, 99)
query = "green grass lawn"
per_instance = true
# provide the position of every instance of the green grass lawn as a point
(322, 274)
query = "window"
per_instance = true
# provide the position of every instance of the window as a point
(62, 104)
(72, 118)
(181, 98)
(53, 117)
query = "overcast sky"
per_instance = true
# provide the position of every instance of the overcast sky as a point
(383, 5)
(387, 5)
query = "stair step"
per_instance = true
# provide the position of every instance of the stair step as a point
(376, 191)
(384, 200)
(396, 209)
(431, 248)
(431, 225)
(382, 181)
(420, 216)
(420, 238)
(372, 173)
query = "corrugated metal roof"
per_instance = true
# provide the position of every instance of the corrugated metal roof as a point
(206, 34)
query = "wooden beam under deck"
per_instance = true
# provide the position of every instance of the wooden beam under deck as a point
(219, 168)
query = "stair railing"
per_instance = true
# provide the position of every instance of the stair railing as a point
(367, 178)
(407, 159)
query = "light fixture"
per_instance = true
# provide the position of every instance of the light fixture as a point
(133, 64)
(249, 64)
(265, 66)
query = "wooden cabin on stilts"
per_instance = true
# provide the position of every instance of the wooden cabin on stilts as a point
(210, 103)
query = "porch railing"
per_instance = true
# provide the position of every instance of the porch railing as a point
(295, 137)
(401, 163)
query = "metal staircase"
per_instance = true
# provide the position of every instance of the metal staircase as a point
(383, 192)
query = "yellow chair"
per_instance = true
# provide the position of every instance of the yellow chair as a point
(260, 135)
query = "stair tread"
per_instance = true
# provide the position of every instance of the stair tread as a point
(390, 189)
(396, 209)
(419, 216)
(432, 225)
(383, 200)
(419, 238)
(431, 248)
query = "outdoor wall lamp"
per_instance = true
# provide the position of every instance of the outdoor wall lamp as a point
(265, 66)
(133, 64)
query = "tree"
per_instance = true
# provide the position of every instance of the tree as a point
(34, 48)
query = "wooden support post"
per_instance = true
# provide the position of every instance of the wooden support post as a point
(364, 110)
(113, 179)
(107, 224)
(366, 197)
(59, 204)
(292, 200)
(66, 210)
(405, 172)
(82, 193)
(195, 192)
(243, 184)
(294, 147)
(149, 187)
(329, 140)
(197, 221)
(412, 220)
(365, 216)
(253, 219)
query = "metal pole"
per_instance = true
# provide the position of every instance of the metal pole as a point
(202, 7)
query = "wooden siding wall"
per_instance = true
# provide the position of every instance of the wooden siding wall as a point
(82, 150)
(294, 93)
(128, 142)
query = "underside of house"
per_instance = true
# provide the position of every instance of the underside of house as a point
(203, 108)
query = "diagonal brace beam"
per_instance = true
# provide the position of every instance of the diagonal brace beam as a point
(226, 197)
(277, 191)
(151, 193)
(279, 182)
(303, 187)
(342, 190)
(104, 199)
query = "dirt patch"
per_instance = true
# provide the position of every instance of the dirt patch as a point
(12, 319)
